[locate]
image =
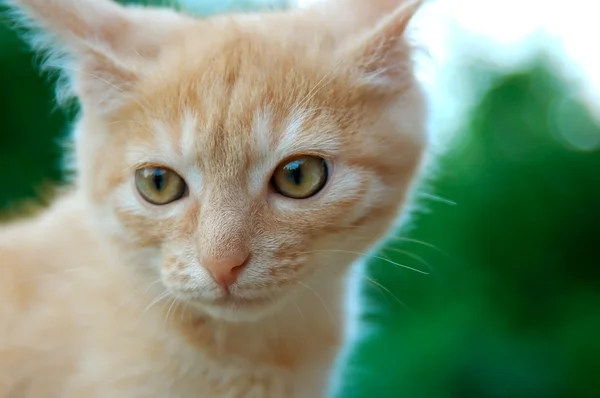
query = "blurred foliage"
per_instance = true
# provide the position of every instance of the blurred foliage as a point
(31, 127)
(511, 303)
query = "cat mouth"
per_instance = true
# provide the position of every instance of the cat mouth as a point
(237, 301)
(229, 300)
(235, 307)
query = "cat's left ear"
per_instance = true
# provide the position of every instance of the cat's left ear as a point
(382, 56)
(100, 45)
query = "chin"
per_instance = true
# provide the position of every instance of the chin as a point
(234, 308)
(240, 311)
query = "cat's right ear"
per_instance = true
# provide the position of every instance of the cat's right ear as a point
(381, 56)
(99, 45)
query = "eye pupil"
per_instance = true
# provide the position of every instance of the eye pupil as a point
(295, 172)
(301, 177)
(159, 185)
(158, 179)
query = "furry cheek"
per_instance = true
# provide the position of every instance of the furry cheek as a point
(306, 229)
(183, 275)
(340, 202)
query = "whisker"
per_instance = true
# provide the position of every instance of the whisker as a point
(126, 122)
(159, 298)
(385, 289)
(437, 198)
(137, 101)
(173, 302)
(152, 284)
(317, 87)
(183, 311)
(318, 297)
(376, 284)
(136, 52)
(409, 254)
(97, 270)
(420, 242)
(387, 260)
(135, 291)
(300, 312)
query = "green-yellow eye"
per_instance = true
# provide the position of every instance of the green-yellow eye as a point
(159, 186)
(301, 177)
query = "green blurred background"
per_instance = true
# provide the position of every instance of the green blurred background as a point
(511, 305)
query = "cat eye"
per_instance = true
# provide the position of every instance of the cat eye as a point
(159, 186)
(301, 177)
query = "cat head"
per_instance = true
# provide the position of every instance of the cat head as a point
(241, 157)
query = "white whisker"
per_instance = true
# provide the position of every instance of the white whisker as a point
(409, 254)
(173, 302)
(125, 93)
(318, 296)
(387, 260)
(300, 312)
(317, 87)
(437, 198)
(385, 289)
(420, 242)
(159, 298)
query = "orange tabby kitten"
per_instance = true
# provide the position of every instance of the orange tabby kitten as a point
(229, 172)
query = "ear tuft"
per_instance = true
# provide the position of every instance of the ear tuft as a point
(382, 56)
(98, 45)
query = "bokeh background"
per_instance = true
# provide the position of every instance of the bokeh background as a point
(507, 228)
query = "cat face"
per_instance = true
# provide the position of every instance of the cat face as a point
(245, 165)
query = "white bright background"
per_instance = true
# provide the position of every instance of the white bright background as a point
(507, 33)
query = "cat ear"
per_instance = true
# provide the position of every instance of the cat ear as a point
(102, 46)
(382, 56)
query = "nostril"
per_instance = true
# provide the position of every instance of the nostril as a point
(225, 270)
(241, 266)
(235, 271)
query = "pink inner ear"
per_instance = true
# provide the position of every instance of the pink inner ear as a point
(106, 43)
(102, 83)
(383, 54)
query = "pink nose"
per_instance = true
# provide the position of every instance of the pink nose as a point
(225, 270)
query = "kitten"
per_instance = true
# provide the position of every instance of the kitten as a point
(229, 172)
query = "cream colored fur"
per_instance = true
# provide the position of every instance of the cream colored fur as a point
(105, 295)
